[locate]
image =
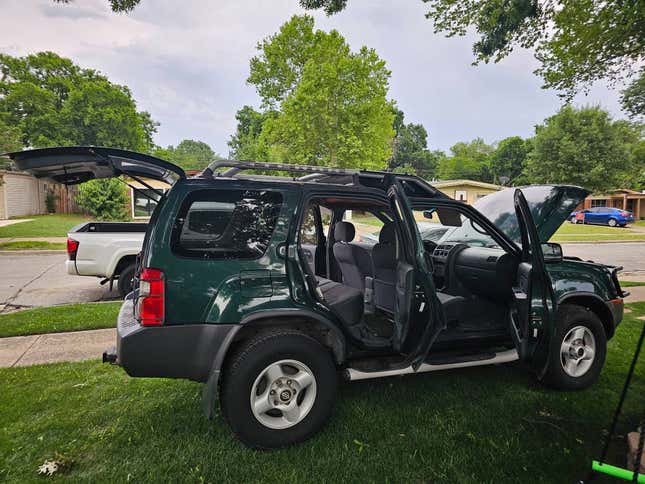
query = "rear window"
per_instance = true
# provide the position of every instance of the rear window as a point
(226, 224)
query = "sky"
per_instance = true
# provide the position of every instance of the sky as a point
(187, 61)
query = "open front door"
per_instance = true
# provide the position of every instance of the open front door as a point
(533, 316)
(417, 311)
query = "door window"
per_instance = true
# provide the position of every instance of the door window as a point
(226, 224)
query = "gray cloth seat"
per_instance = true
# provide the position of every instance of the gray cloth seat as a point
(354, 261)
(346, 302)
(385, 262)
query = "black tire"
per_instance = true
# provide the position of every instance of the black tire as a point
(246, 365)
(569, 317)
(124, 282)
(612, 222)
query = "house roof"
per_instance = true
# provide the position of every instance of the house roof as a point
(453, 183)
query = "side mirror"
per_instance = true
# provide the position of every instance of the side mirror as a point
(428, 213)
(552, 252)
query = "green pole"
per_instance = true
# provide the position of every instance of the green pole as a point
(616, 472)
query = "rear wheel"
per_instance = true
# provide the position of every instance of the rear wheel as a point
(612, 222)
(278, 389)
(578, 351)
(126, 277)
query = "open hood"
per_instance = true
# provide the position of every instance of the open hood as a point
(78, 164)
(550, 206)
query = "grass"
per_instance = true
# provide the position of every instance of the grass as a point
(492, 424)
(631, 283)
(55, 225)
(589, 233)
(69, 317)
(32, 245)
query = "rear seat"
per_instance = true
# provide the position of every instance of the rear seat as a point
(345, 301)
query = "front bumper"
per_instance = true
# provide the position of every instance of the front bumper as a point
(171, 351)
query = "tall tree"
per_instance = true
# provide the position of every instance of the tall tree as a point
(468, 160)
(633, 97)
(509, 158)
(410, 149)
(331, 105)
(188, 154)
(52, 101)
(246, 143)
(10, 140)
(576, 42)
(585, 147)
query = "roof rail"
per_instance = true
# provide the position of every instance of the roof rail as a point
(235, 167)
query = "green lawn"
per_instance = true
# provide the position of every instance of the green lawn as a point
(56, 225)
(632, 283)
(32, 245)
(588, 233)
(69, 317)
(489, 424)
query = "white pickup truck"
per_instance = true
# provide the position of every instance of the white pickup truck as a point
(107, 250)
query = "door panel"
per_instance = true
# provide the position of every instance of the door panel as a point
(404, 290)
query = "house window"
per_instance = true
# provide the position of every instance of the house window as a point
(599, 203)
(142, 206)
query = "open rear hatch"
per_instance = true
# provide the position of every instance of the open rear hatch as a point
(77, 164)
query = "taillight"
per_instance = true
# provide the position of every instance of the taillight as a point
(625, 214)
(72, 248)
(151, 297)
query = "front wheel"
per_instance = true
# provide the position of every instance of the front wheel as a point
(578, 351)
(278, 389)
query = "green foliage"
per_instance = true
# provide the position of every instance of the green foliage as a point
(52, 101)
(469, 160)
(633, 97)
(188, 154)
(508, 159)
(247, 143)
(325, 105)
(410, 149)
(329, 6)
(585, 147)
(50, 201)
(10, 140)
(124, 6)
(104, 199)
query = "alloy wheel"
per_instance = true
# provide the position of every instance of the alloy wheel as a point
(578, 351)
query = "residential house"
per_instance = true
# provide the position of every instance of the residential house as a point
(468, 191)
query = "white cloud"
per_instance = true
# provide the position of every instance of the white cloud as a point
(187, 62)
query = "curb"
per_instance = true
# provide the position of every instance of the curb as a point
(33, 252)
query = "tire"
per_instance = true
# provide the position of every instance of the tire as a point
(612, 222)
(246, 379)
(573, 321)
(124, 282)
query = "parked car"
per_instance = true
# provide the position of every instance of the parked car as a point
(602, 216)
(107, 250)
(268, 329)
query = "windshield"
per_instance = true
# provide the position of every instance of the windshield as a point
(443, 226)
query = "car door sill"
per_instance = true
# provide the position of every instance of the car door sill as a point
(496, 358)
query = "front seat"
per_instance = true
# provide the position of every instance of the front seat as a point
(384, 258)
(354, 261)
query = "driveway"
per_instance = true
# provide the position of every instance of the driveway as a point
(630, 255)
(41, 280)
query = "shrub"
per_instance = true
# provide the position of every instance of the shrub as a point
(50, 201)
(104, 199)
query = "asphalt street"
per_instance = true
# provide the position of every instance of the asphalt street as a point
(40, 279)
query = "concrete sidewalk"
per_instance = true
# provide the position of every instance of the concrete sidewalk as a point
(55, 347)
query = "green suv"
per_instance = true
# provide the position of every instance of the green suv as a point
(255, 285)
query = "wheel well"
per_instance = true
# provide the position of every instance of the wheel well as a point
(597, 307)
(325, 335)
(124, 262)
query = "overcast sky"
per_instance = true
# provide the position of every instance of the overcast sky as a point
(187, 61)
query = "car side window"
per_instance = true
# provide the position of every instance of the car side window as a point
(226, 224)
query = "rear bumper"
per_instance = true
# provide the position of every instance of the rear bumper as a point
(70, 266)
(182, 351)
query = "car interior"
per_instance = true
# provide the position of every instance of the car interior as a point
(359, 281)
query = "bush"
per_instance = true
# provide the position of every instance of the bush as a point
(50, 201)
(104, 199)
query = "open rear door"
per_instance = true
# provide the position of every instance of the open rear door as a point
(533, 317)
(418, 316)
(77, 164)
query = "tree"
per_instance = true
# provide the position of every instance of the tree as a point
(633, 97)
(116, 5)
(53, 102)
(188, 154)
(469, 160)
(9, 141)
(410, 149)
(508, 160)
(576, 42)
(104, 199)
(331, 106)
(246, 143)
(585, 147)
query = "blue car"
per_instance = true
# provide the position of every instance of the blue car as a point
(602, 216)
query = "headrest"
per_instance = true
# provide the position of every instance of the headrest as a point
(344, 231)
(387, 234)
